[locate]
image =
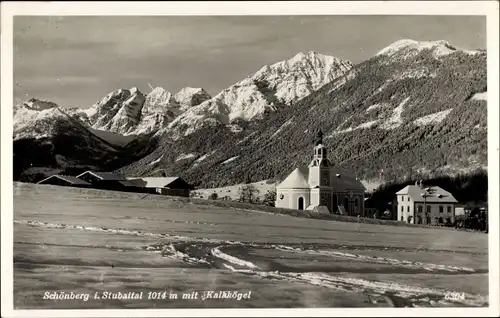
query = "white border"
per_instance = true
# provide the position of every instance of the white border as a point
(485, 8)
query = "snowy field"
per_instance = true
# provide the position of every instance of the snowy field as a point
(92, 242)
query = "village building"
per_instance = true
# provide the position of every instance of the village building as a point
(175, 186)
(431, 205)
(109, 181)
(321, 187)
(67, 181)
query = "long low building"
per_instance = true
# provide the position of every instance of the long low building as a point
(175, 186)
(67, 181)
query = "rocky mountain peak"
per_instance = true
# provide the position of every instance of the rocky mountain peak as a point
(190, 96)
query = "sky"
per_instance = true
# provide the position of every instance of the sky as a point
(75, 61)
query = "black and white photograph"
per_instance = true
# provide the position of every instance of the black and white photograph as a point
(202, 159)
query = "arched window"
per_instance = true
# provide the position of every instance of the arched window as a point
(301, 203)
(335, 203)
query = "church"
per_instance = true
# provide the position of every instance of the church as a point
(321, 187)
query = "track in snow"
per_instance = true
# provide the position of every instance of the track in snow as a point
(249, 258)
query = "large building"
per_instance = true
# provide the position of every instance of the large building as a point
(321, 186)
(431, 205)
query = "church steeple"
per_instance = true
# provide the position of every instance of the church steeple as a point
(320, 158)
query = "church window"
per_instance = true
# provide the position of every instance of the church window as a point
(281, 196)
(408, 209)
(402, 208)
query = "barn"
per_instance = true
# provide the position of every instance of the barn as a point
(67, 181)
(175, 186)
(110, 181)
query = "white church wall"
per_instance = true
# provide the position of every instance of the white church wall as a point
(289, 198)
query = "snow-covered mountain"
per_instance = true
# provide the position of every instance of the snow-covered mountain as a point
(407, 48)
(130, 112)
(271, 87)
(190, 96)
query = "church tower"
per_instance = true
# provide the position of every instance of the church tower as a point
(319, 175)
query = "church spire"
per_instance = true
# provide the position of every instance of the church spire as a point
(320, 156)
(319, 138)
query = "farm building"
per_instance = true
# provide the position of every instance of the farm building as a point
(68, 181)
(109, 181)
(425, 205)
(175, 186)
(321, 184)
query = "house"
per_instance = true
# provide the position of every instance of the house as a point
(321, 185)
(425, 205)
(109, 181)
(68, 181)
(175, 186)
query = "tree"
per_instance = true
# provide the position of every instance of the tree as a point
(269, 198)
(248, 193)
(213, 196)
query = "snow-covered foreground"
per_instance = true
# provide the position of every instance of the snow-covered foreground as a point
(75, 240)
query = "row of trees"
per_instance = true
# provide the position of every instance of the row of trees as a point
(248, 193)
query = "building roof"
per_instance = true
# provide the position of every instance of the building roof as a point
(433, 194)
(69, 179)
(110, 176)
(298, 179)
(345, 180)
(154, 182)
(341, 180)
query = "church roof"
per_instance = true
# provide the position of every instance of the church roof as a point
(341, 180)
(345, 180)
(298, 179)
